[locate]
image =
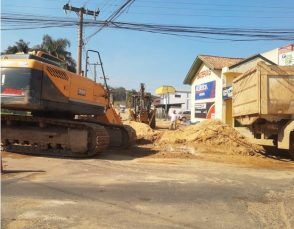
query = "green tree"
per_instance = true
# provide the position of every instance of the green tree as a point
(20, 46)
(57, 48)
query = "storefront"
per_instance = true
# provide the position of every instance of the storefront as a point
(206, 80)
(211, 80)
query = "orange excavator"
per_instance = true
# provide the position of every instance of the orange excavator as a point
(48, 99)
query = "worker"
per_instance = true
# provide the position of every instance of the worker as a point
(173, 121)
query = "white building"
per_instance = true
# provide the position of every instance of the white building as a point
(171, 97)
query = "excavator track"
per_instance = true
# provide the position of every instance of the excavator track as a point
(127, 135)
(121, 136)
(52, 137)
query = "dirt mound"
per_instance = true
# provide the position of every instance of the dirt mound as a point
(207, 136)
(145, 134)
(141, 128)
(211, 135)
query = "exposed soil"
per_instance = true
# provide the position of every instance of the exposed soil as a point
(210, 140)
(207, 136)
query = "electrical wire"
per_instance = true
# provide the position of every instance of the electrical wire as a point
(21, 22)
(110, 19)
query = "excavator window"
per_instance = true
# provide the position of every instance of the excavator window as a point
(60, 63)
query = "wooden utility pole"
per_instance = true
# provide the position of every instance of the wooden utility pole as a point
(95, 73)
(81, 12)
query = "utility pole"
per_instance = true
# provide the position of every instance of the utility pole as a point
(95, 74)
(106, 78)
(81, 12)
(166, 95)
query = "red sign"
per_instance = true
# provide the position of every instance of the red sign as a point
(203, 74)
(205, 110)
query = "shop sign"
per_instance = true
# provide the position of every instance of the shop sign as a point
(205, 110)
(203, 74)
(205, 90)
(286, 59)
(227, 92)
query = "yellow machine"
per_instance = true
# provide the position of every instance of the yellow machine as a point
(142, 112)
(52, 97)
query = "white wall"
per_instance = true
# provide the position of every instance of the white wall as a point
(272, 55)
(172, 98)
(215, 75)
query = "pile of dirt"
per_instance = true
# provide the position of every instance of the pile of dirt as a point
(207, 136)
(145, 134)
(142, 129)
(213, 136)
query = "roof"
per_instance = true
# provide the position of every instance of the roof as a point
(217, 62)
(252, 58)
(213, 62)
(164, 90)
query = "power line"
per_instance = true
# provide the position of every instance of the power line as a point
(81, 12)
(170, 3)
(10, 22)
(111, 18)
(181, 8)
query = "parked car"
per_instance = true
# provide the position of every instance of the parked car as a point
(185, 115)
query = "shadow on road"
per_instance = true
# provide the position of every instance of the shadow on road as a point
(23, 171)
(277, 154)
(137, 151)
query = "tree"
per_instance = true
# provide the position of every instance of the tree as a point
(54, 47)
(57, 48)
(119, 93)
(20, 46)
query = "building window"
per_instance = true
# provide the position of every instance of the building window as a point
(178, 96)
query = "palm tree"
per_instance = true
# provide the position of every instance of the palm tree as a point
(57, 48)
(20, 46)
(10, 50)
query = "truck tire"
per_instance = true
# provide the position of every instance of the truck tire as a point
(291, 147)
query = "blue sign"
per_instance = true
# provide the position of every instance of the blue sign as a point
(227, 92)
(205, 90)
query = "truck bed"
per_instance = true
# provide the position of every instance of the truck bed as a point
(264, 90)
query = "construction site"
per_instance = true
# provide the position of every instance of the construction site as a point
(71, 159)
(196, 176)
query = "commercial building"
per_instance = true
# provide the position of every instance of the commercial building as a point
(211, 80)
(169, 97)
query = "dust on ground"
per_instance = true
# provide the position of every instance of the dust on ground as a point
(210, 140)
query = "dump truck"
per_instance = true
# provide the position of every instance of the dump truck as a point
(62, 113)
(263, 100)
(140, 110)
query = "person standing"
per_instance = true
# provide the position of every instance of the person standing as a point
(173, 121)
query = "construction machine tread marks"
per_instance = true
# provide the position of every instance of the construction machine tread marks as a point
(96, 137)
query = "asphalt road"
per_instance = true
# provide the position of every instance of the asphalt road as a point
(112, 191)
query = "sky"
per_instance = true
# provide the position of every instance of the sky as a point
(132, 57)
